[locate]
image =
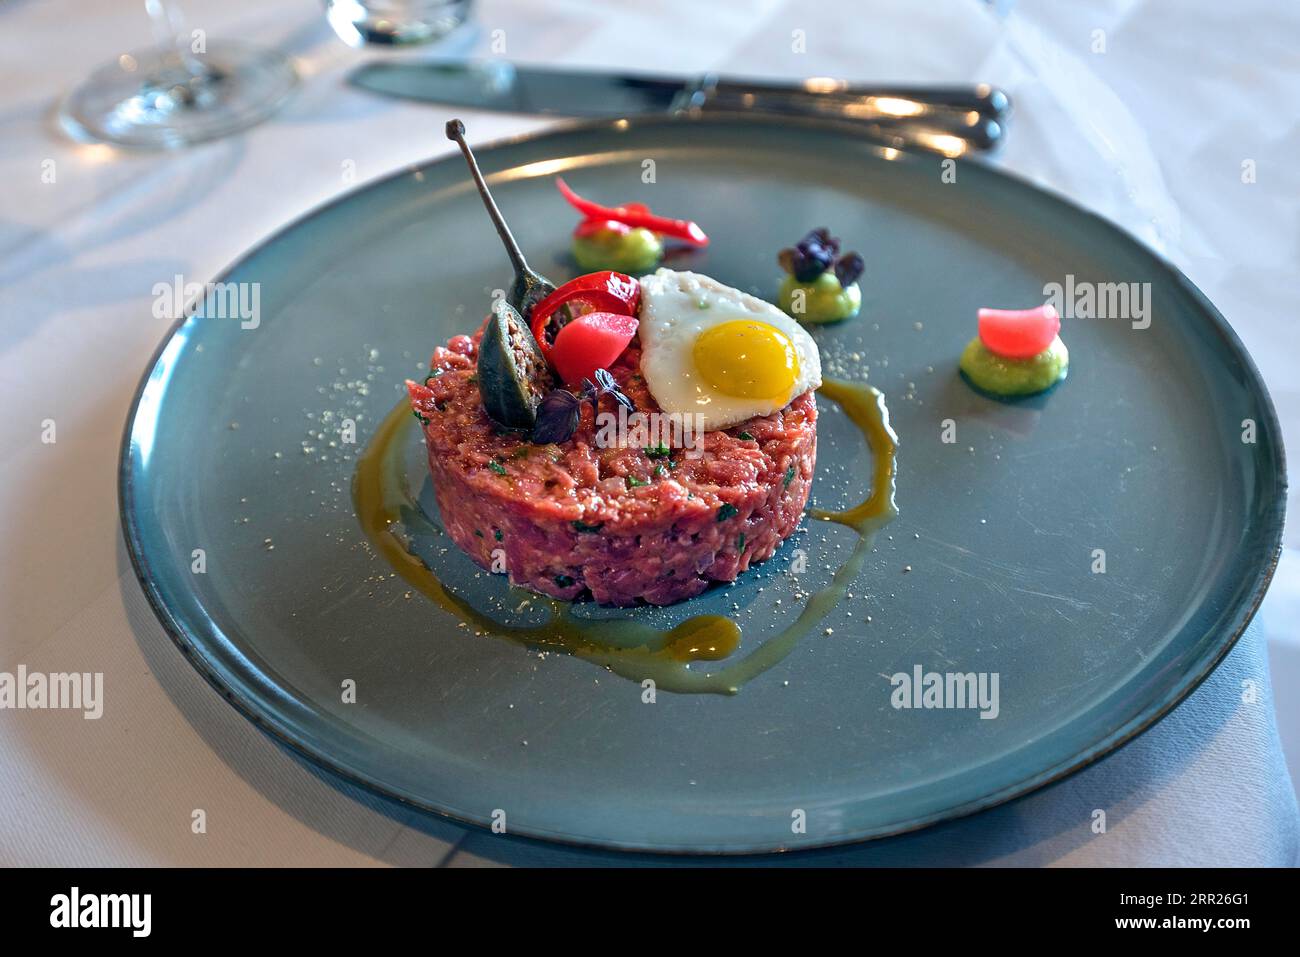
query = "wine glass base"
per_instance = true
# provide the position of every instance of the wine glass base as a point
(394, 22)
(156, 99)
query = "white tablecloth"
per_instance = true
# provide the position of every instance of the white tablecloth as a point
(1144, 111)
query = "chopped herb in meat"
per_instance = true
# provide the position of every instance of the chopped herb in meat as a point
(497, 467)
(789, 476)
(634, 482)
(746, 436)
(740, 542)
(659, 451)
(727, 511)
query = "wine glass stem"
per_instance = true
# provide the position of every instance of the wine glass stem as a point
(169, 31)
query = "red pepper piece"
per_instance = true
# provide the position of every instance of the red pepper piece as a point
(589, 227)
(1018, 333)
(636, 215)
(601, 291)
(590, 342)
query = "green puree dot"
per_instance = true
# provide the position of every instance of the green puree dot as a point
(822, 300)
(637, 250)
(993, 373)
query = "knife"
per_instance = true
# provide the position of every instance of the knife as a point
(949, 119)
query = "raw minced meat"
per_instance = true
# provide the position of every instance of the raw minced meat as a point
(625, 524)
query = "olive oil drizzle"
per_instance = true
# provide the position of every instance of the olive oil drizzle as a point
(385, 504)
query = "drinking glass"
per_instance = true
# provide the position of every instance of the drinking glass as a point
(396, 22)
(183, 90)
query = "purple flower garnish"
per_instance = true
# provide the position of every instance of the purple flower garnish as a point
(606, 385)
(558, 412)
(848, 268)
(557, 417)
(816, 253)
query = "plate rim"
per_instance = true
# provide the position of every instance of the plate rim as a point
(1274, 514)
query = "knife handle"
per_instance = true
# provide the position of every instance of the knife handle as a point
(951, 120)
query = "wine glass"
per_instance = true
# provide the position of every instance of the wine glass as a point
(394, 22)
(183, 90)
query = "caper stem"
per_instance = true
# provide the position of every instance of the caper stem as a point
(456, 132)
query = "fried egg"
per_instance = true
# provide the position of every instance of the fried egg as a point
(710, 349)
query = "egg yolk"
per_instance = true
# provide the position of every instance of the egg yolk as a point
(747, 360)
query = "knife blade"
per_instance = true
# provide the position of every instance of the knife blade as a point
(949, 119)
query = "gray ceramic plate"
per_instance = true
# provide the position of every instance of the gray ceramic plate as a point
(1139, 453)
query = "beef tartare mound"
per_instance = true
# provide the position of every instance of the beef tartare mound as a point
(625, 524)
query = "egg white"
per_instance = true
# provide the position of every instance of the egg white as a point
(675, 308)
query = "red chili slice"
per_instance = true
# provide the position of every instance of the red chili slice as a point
(635, 215)
(590, 342)
(601, 291)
